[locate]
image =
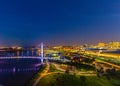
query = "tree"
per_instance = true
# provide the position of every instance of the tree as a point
(83, 80)
(67, 71)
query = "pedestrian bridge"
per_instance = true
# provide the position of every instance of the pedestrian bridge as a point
(34, 57)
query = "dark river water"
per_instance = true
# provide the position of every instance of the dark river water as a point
(18, 71)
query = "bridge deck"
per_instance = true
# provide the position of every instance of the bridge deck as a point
(22, 57)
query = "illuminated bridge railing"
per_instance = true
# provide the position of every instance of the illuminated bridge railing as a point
(23, 57)
(33, 57)
(18, 69)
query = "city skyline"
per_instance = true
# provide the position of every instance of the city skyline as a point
(59, 22)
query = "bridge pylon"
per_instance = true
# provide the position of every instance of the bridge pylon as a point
(42, 52)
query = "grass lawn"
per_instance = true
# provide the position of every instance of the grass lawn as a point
(73, 80)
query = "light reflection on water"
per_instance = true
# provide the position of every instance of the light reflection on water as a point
(17, 72)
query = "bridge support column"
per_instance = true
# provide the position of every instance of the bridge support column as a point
(42, 53)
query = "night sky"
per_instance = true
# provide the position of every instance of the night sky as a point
(55, 22)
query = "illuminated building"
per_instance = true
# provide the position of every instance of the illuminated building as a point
(113, 45)
(101, 44)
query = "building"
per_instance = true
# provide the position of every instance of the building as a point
(114, 45)
(101, 44)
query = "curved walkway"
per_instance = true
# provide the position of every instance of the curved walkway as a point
(44, 73)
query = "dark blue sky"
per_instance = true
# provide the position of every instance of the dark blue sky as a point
(25, 22)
